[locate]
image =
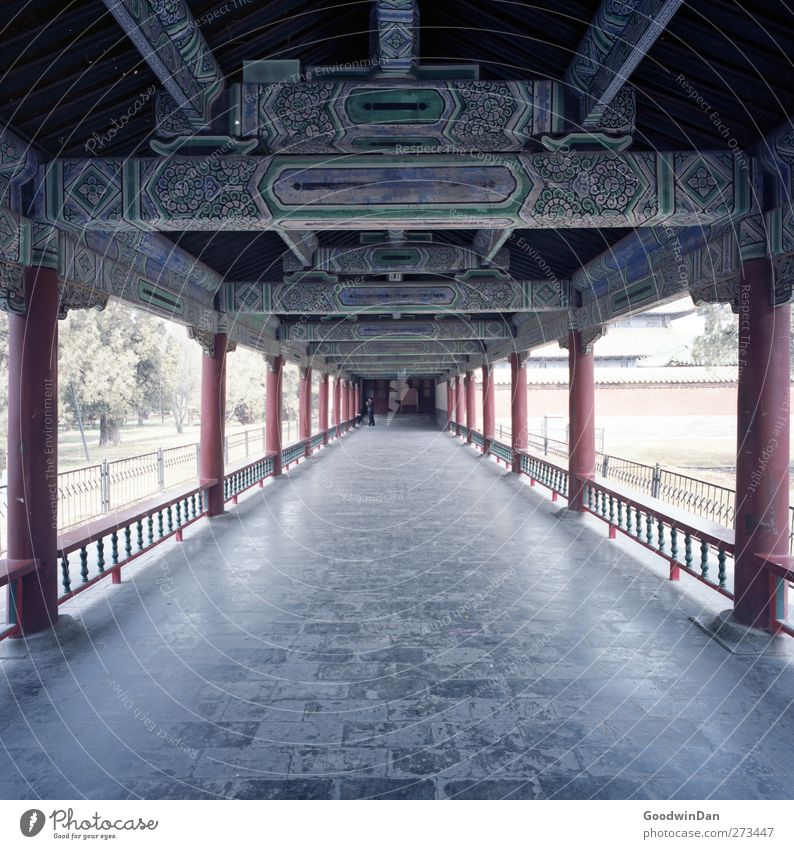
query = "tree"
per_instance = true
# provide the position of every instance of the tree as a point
(150, 342)
(180, 378)
(718, 344)
(245, 386)
(98, 367)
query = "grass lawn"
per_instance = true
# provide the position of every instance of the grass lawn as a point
(137, 439)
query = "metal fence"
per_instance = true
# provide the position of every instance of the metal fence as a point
(92, 491)
(698, 497)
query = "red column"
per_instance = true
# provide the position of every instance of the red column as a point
(273, 389)
(457, 393)
(518, 407)
(323, 407)
(305, 407)
(471, 405)
(762, 457)
(213, 418)
(337, 405)
(450, 402)
(357, 399)
(488, 409)
(33, 449)
(581, 419)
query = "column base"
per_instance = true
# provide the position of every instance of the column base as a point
(740, 639)
(67, 628)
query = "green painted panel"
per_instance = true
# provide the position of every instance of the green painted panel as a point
(159, 299)
(394, 106)
(395, 143)
(390, 257)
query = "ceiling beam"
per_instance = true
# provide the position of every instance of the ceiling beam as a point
(403, 257)
(302, 245)
(395, 36)
(617, 40)
(439, 364)
(174, 48)
(380, 349)
(560, 190)
(398, 116)
(312, 296)
(406, 329)
(487, 243)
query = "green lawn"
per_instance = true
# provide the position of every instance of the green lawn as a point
(135, 439)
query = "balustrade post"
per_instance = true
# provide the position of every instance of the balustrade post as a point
(581, 416)
(656, 481)
(762, 459)
(160, 470)
(488, 408)
(104, 486)
(273, 405)
(32, 491)
(518, 407)
(212, 447)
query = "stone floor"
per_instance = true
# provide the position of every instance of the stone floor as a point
(396, 617)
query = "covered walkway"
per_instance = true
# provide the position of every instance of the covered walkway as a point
(396, 617)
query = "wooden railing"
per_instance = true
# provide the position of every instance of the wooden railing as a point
(689, 543)
(104, 546)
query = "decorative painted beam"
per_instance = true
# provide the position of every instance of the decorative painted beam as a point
(302, 244)
(15, 238)
(774, 174)
(95, 267)
(408, 365)
(19, 163)
(322, 297)
(412, 371)
(709, 273)
(322, 116)
(619, 37)
(559, 190)
(359, 331)
(394, 42)
(488, 242)
(369, 348)
(405, 257)
(172, 45)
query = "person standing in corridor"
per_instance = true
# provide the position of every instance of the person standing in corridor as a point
(370, 412)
